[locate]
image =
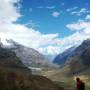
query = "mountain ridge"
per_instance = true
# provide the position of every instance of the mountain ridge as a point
(14, 75)
(29, 56)
(78, 60)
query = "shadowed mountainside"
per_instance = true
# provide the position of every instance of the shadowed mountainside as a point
(76, 59)
(29, 56)
(15, 76)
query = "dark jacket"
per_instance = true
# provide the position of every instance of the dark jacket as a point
(82, 86)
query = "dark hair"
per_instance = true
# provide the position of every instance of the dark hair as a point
(78, 79)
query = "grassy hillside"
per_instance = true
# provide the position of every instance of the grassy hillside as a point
(61, 78)
(11, 80)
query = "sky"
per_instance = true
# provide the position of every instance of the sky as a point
(49, 26)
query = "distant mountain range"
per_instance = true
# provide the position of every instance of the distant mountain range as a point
(76, 58)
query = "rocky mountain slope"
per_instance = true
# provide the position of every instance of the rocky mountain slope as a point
(62, 58)
(77, 60)
(10, 60)
(80, 61)
(14, 75)
(30, 57)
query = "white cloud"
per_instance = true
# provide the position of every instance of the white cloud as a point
(55, 14)
(82, 32)
(8, 12)
(81, 25)
(21, 33)
(75, 26)
(31, 24)
(71, 9)
(82, 28)
(47, 7)
(45, 43)
(80, 12)
(50, 7)
(87, 17)
(27, 36)
(50, 50)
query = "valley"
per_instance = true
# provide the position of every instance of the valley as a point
(35, 72)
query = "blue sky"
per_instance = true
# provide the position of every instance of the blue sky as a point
(48, 26)
(39, 12)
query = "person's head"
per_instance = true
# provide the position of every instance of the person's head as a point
(77, 79)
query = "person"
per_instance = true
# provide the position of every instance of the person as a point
(80, 85)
